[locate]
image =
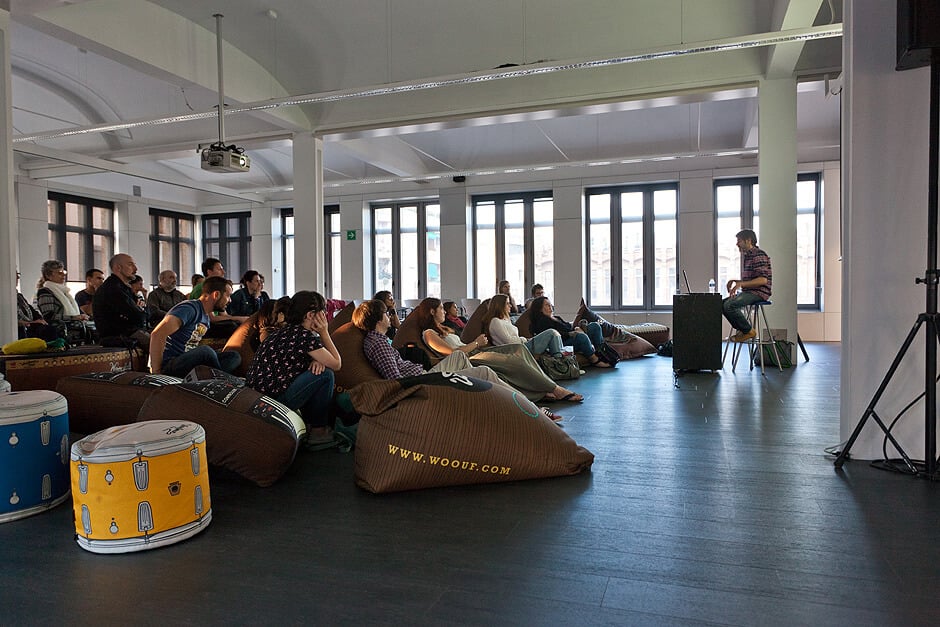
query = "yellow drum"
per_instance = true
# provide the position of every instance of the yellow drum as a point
(140, 486)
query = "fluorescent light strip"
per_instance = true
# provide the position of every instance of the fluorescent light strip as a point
(719, 45)
(744, 152)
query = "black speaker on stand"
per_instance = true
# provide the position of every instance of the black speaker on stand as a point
(918, 38)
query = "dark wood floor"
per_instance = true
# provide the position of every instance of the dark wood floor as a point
(713, 503)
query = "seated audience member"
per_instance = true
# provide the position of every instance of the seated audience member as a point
(164, 297)
(223, 323)
(503, 288)
(29, 322)
(295, 365)
(537, 291)
(211, 266)
(513, 363)
(174, 344)
(54, 300)
(386, 297)
(452, 317)
(93, 280)
(195, 280)
(117, 315)
(248, 299)
(500, 329)
(371, 317)
(584, 342)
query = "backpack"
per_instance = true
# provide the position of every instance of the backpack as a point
(559, 368)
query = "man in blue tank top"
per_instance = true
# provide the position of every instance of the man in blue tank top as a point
(174, 344)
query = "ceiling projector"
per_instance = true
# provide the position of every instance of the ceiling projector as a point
(225, 159)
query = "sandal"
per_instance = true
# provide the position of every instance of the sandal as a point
(572, 397)
(551, 415)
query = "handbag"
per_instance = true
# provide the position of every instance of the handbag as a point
(559, 368)
(608, 353)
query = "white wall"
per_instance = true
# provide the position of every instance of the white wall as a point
(885, 154)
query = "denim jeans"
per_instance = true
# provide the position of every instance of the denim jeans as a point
(733, 308)
(180, 365)
(310, 394)
(587, 343)
(547, 341)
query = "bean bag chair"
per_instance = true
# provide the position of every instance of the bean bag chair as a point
(623, 338)
(356, 368)
(444, 429)
(475, 323)
(207, 373)
(106, 399)
(409, 336)
(524, 323)
(246, 432)
(241, 341)
(342, 316)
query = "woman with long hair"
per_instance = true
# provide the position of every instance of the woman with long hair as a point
(513, 363)
(500, 329)
(584, 342)
(371, 317)
(452, 317)
(248, 299)
(503, 287)
(295, 365)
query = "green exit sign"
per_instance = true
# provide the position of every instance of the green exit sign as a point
(351, 235)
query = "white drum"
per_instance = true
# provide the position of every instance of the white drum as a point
(34, 444)
(140, 486)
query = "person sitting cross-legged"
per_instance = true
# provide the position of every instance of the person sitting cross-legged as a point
(174, 344)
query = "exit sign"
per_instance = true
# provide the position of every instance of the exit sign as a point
(351, 235)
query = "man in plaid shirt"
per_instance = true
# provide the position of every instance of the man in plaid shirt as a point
(752, 287)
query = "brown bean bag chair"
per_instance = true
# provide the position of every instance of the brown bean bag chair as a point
(106, 399)
(652, 332)
(524, 323)
(356, 368)
(410, 335)
(207, 373)
(246, 432)
(626, 335)
(442, 430)
(343, 316)
(241, 341)
(475, 323)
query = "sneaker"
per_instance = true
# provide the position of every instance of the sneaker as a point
(551, 415)
(744, 337)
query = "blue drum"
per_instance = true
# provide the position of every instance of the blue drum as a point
(34, 452)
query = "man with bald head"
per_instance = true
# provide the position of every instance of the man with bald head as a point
(164, 297)
(117, 315)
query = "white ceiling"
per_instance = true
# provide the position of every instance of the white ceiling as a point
(76, 65)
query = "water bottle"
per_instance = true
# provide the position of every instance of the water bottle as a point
(711, 286)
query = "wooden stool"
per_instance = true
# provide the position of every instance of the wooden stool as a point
(758, 318)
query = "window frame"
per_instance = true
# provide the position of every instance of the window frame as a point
(615, 221)
(328, 237)
(499, 201)
(224, 241)
(288, 281)
(421, 231)
(747, 184)
(175, 239)
(60, 230)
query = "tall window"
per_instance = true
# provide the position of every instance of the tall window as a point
(737, 207)
(333, 285)
(228, 237)
(172, 244)
(406, 248)
(513, 239)
(287, 248)
(631, 245)
(81, 233)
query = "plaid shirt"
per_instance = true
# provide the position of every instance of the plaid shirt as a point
(757, 264)
(386, 360)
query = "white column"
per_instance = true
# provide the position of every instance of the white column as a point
(777, 178)
(885, 117)
(7, 212)
(32, 210)
(308, 212)
(456, 270)
(569, 287)
(696, 229)
(262, 246)
(355, 254)
(133, 238)
(832, 250)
